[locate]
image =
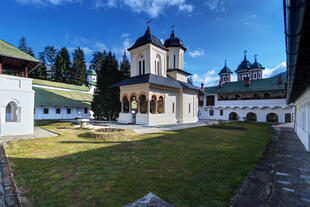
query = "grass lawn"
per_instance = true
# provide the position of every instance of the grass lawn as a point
(193, 167)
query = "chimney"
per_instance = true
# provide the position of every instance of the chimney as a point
(247, 81)
(202, 86)
(220, 84)
(280, 79)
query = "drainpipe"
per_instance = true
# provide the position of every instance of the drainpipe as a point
(294, 11)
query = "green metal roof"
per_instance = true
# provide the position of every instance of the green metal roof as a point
(91, 72)
(52, 97)
(93, 83)
(59, 85)
(9, 50)
(266, 84)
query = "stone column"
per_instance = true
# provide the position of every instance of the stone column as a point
(26, 71)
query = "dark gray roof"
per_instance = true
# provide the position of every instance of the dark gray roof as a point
(266, 84)
(244, 65)
(148, 37)
(256, 65)
(225, 70)
(178, 70)
(155, 79)
(174, 42)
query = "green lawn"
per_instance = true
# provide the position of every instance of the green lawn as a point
(192, 167)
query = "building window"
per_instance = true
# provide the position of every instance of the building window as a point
(139, 67)
(143, 67)
(57, 110)
(173, 61)
(45, 111)
(224, 79)
(211, 112)
(68, 111)
(160, 105)
(11, 112)
(173, 107)
(167, 61)
(153, 105)
(143, 104)
(221, 112)
(85, 110)
(259, 75)
(255, 75)
(189, 108)
(210, 100)
(125, 105)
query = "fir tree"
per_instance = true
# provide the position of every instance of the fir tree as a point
(97, 59)
(106, 104)
(41, 71)
(79, 66)
(124, 68)
(49, 54)
(62, 67)
(24, 47)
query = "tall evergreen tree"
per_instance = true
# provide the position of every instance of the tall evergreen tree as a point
(49, 54)
(106, 104)
(98, 57)
(62, 67)
(124, 67)
(41, 71)
(79, 66)
(24, 47)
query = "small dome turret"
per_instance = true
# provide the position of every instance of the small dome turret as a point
(256, 65)
(244, 65)
(174, 42)
(225, 70)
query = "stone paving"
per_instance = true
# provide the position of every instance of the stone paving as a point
(281, 178)
(38, 133)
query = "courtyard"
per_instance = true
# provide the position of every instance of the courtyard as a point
(201, 166)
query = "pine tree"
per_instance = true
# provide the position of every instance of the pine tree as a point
(97, 59)
(49, 54)
(62, 67)
(41, 71)
(23, 46)
(106, 104)
(124, 68)
(79, 66)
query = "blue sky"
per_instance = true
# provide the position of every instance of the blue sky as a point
(212, 30)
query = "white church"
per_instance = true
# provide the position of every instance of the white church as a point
(157, 91)
(250, 98)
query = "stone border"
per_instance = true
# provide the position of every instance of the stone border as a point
(8, 182)
(257, 187)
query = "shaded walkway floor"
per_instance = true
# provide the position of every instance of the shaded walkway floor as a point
(281, 178)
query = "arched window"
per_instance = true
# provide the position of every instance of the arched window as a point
(141, 65)
(251, 116)
(256, 96)
(11, 112)
(125, 105)
(266, 95)
(233, 116)
(272, 117)
(158, 65)
(288, 118)
(160, 105)
(133, 103)
(174, 61)
(153, 105)
(143, 104)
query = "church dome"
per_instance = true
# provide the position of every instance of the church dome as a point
(225, 70)
(256, 65)
(91, 72)
(148, 37)
(174, 42)
(244, 65)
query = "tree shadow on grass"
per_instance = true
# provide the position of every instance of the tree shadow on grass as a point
(193, 167)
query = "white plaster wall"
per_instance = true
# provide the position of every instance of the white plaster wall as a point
(302, 120)
(190, 97)
(178, 76)
(168, 117)
(163, 56)
(125, 118)
(179, 57)
(20, 91)
(134, 59)
(76, 112)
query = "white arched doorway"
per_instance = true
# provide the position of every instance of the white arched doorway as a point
(12, 113)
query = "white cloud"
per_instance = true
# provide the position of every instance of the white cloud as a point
(216, 5)
(152, 8)
(124, 35)
(46, 2)
(123, 48)
(210, 78)
(269, 72)
(86, 50)
(100, 46)
(196, 53)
